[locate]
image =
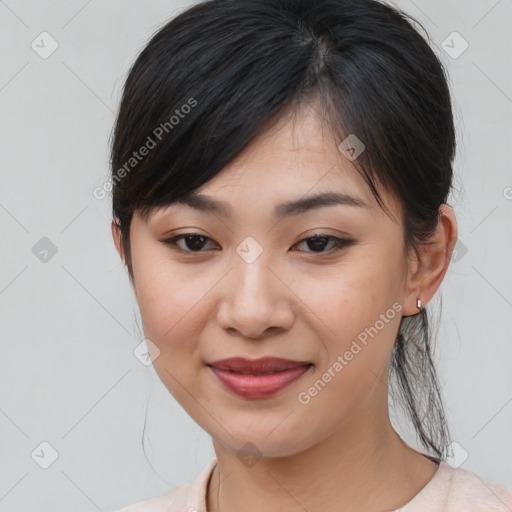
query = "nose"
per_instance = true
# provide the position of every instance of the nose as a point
(255, 300)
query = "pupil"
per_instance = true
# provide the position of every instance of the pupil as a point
(314, 241)
(194, 239)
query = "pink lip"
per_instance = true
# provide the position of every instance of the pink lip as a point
(252, 379)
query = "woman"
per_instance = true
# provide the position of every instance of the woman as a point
(281, 171)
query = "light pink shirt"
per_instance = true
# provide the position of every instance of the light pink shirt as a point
(449, 490)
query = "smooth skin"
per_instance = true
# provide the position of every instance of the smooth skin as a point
(205, 302)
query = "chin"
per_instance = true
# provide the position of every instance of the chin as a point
(262, 439)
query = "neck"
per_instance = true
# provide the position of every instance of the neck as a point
(358, 467)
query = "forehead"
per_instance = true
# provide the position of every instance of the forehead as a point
(297, 141)
(291, 166)
(296, 155)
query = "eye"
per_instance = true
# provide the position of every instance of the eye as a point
(193, 242)
(319, 241)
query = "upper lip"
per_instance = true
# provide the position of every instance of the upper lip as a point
(262, 365)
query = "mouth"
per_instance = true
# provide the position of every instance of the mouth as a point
(261, 378)
(262, 366)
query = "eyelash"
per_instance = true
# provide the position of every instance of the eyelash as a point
(340, 243)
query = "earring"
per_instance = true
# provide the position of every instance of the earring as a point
(418, 304)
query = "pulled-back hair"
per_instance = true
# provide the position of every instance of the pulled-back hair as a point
(216, 75)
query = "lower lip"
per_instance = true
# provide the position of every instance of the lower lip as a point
(258, 386)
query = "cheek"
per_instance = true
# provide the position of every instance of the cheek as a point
(168, 295)
(351, 297)
(170, 308)
(357, 351)
(356, 316)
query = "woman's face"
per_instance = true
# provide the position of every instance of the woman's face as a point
(255, 287)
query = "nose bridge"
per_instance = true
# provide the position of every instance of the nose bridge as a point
(253, 274)
(254, 277)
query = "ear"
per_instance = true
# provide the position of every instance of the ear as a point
(118, 240)
(425, 274)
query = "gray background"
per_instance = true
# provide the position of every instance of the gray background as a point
(69, 320)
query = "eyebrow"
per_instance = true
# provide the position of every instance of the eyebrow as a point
(206, 203)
